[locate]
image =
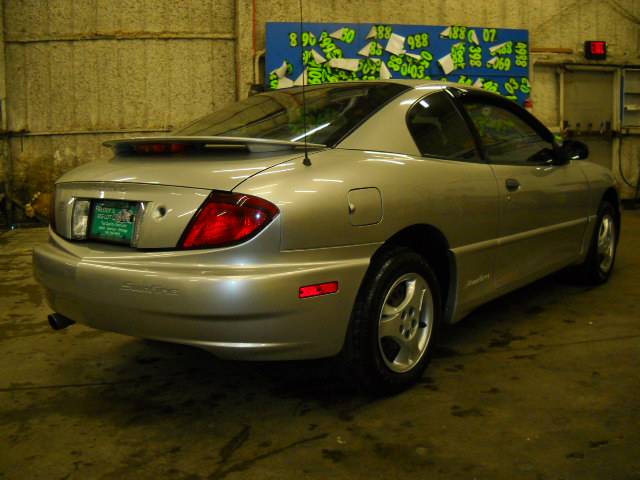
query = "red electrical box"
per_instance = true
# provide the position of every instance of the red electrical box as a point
(595, 50)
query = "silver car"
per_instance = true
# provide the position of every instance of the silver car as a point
(351, 219)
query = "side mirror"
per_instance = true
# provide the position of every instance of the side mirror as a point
(575, 150)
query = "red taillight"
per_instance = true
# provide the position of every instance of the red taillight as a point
(318, 289)
(227, 218)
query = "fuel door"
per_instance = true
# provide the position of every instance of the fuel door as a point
(365, 206)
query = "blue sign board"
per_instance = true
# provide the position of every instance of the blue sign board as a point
(496, 59)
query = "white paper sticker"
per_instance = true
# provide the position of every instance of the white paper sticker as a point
(385, 74)
(318, 58)
(445, 33)
(337, 34)
(395, 44)
(413, 55)
(281, 70)
(497, 47)
(478, 83)
(285, 82)
(474, 37)
(446, 63)
(351, 64)
(366, 50)
(372, 33)
(492, 61)
(302, 78)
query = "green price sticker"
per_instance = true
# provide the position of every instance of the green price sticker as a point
(511, 86)
(491, 86)
(500, 63)
(457, 55)
(506, 49)
(383, 31)
(475, 56)
(489, 34)
(418, 40)
(348, 35)
(308, 39)
(522, 54)
(458, 32)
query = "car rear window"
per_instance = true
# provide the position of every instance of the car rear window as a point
(332, 112)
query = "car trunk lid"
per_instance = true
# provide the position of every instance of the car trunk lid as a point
(219, 163)
(158, 188)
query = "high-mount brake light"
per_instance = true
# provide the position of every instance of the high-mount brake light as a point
(227, 219)
(158, 148)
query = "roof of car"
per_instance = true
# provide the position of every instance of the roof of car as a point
(415, 84)
(425, 84)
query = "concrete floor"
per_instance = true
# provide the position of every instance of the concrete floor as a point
(541, 384)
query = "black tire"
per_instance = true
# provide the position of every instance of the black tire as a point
(363, 351)
(594, 271)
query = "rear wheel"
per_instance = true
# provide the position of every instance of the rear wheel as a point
(600, 259)
(394, 322)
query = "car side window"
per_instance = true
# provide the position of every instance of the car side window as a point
(507, 138)
(439, 130)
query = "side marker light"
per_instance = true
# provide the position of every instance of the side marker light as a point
(318, 289)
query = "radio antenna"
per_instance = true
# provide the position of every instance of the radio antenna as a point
(306, 161)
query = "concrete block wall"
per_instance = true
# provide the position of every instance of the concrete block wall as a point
(79, 72)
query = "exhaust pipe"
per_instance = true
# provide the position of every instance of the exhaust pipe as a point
(58, 322)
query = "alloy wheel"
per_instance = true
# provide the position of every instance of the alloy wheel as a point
(406, 322)
(606, 242)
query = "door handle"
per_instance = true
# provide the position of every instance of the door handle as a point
(512, 184)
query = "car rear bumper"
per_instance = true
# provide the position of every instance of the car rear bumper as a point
(242, 311)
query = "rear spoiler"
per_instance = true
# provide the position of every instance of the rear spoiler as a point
(178, 144)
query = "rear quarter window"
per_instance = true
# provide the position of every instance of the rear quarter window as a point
(439, 130)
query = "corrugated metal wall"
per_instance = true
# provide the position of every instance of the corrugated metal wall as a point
(75, 67)
(147, 65)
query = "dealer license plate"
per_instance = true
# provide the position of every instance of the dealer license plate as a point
(113, 220)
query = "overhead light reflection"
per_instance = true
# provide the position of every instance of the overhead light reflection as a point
(270, 172)
(384, 160)
(431, 87)
(233, 170)
(310, 132)
(187, 213)
(387, 154)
